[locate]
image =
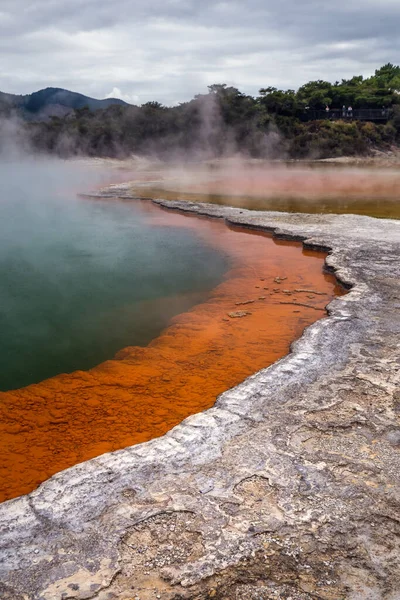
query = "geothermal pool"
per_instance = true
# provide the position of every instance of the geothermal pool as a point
(96, 280)
(81, 279)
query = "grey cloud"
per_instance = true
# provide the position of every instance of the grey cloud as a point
(171, 49)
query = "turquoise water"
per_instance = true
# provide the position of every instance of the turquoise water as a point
(80, 279)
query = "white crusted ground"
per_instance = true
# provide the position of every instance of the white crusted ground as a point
(287, 488)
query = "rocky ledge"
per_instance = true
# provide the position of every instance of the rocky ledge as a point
(287, 488)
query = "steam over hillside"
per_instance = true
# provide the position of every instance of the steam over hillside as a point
(319, 120)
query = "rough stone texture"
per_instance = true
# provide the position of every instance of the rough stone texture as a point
(287, 488)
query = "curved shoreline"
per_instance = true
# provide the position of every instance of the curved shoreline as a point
(142, 392)
(277, 477)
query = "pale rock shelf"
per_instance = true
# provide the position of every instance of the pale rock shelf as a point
(287, 488)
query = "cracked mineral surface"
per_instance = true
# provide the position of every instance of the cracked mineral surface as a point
(287, 488)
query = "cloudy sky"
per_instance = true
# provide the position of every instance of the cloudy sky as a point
(169, 50)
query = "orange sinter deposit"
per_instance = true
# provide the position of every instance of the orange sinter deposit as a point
(273, 290)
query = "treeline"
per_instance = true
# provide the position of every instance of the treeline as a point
(225, 121)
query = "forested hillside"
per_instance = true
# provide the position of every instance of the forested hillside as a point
(49, 102)
(276, 123)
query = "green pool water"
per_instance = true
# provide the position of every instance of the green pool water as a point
(80, 279)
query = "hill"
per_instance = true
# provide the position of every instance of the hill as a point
(50, 102)
(354, 117)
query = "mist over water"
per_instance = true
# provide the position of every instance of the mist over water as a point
(288, 187)
(81, 279)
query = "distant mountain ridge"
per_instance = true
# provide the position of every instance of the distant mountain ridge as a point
(50, 102)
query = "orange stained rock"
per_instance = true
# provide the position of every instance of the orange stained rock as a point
(144, 392)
